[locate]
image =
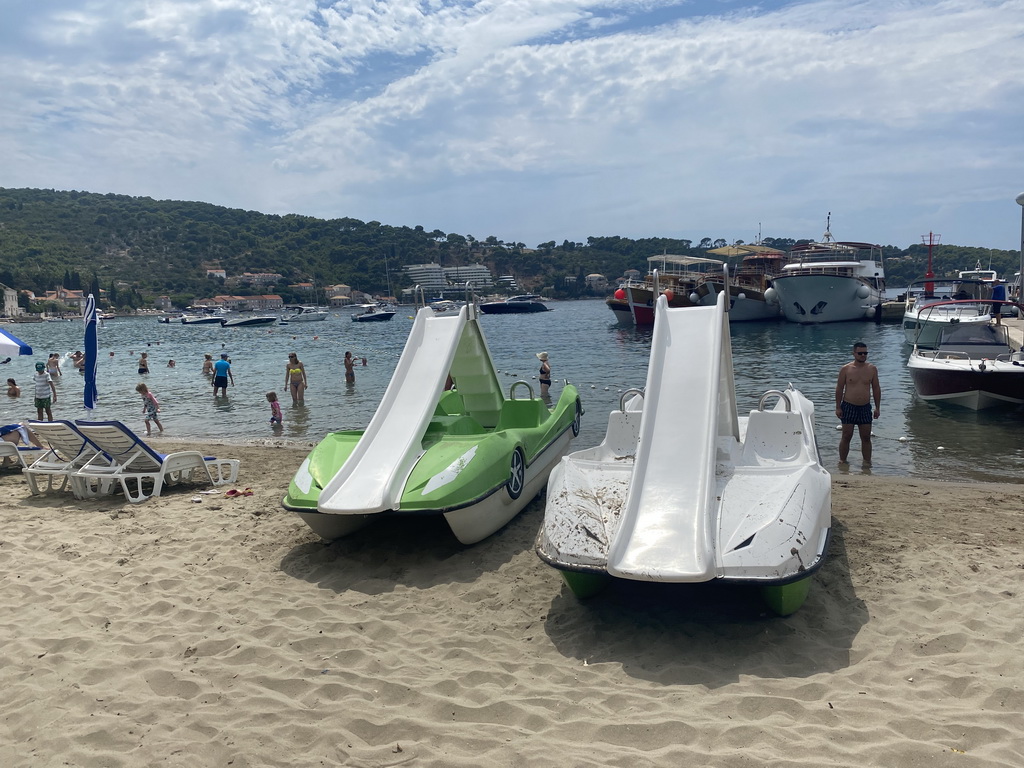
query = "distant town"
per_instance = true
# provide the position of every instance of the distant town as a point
(433, 280)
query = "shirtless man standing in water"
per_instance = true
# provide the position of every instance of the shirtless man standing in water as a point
(858, 381)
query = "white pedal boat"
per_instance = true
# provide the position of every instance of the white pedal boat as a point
(683, 489)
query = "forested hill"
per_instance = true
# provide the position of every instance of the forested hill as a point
(165, 247)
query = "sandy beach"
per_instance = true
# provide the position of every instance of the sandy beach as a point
(224, 633)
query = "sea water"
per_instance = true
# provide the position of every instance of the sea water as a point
(585, 345)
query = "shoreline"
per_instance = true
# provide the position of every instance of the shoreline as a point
(224, 632)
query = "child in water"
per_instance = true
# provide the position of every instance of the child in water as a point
(150, 408)
(276, 417)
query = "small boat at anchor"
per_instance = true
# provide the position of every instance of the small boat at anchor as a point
(374, 313)
(248, 321)
(515, 305)
(304, 314)
(211, 318)
(932, 304)
(972, 365)
(742, 499)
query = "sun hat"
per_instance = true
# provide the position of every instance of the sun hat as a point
(40, 366)
(542, 355)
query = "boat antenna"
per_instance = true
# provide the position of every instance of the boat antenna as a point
(827, 237)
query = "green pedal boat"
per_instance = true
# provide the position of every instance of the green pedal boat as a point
(444, 440)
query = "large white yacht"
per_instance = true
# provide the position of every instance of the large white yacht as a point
(830, 281)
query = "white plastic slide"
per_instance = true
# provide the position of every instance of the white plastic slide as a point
(668, 521)
(373, 477)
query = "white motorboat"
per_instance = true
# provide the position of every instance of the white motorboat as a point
(304, 314)
(737, 499)
(830, 282)
(929, 307)
(213, 318)
(373, 313)
(248, 321)
(446, 307)
(527, 303)
(972, 365)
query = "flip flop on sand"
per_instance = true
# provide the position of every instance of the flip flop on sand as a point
(236, 492)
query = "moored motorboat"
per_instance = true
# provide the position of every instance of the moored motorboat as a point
(248, 321)
(445, 306)
(373, 313)
(972, 365)
(743, 500)
(467, 453)
(831, 281)
(304, 314)
(929, 307)
(515, 305)
(213, 318)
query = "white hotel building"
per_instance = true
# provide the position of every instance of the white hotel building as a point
(436, 280)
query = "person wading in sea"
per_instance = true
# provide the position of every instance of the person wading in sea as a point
(858, 382)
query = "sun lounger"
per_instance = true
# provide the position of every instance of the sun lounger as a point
(141, 471)
(67, 451)
(12, 455)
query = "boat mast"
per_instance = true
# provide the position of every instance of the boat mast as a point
(827, 237)
(931, 242)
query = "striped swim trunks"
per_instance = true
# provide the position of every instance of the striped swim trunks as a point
(855, 414)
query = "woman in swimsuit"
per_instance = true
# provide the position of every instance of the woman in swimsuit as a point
(545, 373)
(143, 362)
(53, 365)
(295, 377)
(208, 365)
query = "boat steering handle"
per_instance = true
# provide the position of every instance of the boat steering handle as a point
(633, 391)
(778, 393)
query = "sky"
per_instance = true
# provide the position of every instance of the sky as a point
(534, 120)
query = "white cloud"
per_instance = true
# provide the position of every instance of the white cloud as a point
(535, 119)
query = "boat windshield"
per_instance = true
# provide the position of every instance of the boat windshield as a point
(974, 335)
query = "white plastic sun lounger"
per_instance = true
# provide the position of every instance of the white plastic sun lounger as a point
(67, 451)
(141, 471)
(12, 455)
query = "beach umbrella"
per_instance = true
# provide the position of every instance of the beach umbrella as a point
(11, 345)
(91, 352)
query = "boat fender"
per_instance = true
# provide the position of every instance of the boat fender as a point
(669, 295)
(694, 298)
